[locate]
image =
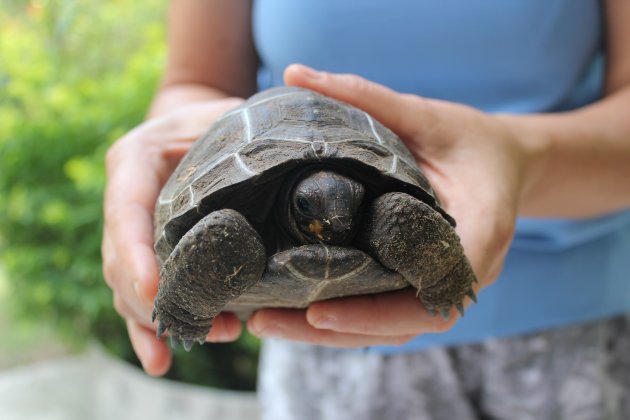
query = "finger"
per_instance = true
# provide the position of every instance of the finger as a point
(394, 313)
(174, 152)
(185, 124)
(128, 256)
(127, 300)
(129, 199)
(407, 115)
(194, 119)
(291, 324)
(226, 327)
(152, 352)
(128, 311)
(109, 257)
(134, 171)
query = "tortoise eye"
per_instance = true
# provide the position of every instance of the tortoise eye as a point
(302, 204)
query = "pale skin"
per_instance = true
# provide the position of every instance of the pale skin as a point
(486, 169)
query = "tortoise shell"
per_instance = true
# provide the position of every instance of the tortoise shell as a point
(243, 159)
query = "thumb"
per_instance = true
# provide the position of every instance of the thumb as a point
(407, 115)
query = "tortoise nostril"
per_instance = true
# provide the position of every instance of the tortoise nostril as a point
(340, 224)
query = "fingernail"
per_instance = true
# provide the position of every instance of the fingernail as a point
(142, 273)
(272, 331)
(219, 332)
(136, 287)
(327, 322)
(147, 356)
(310, 72)
(268, 330)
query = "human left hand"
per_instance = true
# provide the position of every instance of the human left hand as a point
(138, 165)
(480, 169)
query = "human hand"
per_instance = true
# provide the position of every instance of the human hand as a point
(479, 169)
(138, 165)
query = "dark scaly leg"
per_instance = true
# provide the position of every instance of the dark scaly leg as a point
(213, 263)
(408, 236)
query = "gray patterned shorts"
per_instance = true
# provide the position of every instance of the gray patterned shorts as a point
(577, 373)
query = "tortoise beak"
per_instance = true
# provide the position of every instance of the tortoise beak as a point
(329, 231)
(335, 230)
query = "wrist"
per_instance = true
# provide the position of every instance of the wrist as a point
(172, 97)
(535, 147)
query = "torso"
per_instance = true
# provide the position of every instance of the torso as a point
(499, 56)
(516, 56)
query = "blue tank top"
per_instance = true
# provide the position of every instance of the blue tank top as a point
(498, 56)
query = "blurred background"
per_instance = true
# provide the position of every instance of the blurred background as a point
(75, 75)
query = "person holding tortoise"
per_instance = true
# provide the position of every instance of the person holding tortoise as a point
(518, 116)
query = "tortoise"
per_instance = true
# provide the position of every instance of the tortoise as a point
(295, 197)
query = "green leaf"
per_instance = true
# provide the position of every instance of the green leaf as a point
(75, 75)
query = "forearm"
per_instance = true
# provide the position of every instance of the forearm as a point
(211, 54)
(580, 164)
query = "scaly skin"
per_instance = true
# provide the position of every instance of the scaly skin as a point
(410, 237)
(215, 262)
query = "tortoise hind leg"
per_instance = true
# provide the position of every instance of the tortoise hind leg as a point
(408, 236)
(213, 263)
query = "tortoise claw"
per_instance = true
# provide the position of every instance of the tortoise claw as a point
(153, 315)
(446, 313)
(188, 345)
(471, 294)
(174, 342)
(160, 330)
(433, 312)
(460, 308)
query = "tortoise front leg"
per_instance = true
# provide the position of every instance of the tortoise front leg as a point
(408, 236)
(213, 263)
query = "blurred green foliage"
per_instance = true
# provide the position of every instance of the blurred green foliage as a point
(74, 76)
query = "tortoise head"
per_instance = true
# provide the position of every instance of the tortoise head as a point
(325, 207)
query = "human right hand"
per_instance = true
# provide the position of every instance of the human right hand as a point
(138, 165)
(481, 167)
